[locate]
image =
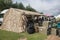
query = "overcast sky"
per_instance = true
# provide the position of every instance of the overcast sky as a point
(51, 7)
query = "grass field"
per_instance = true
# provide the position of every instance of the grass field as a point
(5, 35)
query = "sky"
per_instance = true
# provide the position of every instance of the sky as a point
(51, 7)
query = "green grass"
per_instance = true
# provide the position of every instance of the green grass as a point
(5, 35)
(36, 36)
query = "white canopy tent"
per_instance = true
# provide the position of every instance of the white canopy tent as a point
(57, 16)
(4, 11)
(1, 19)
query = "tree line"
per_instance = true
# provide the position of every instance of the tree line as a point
(6, 4)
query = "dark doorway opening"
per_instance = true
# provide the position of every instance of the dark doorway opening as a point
(30, 25)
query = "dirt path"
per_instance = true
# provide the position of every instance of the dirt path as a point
(53, 37)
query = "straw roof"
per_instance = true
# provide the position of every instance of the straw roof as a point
(28, 12)
(14, 20)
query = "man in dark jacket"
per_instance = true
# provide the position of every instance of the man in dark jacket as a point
(30, 26)
(49, 28)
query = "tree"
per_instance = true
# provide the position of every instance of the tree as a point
(29, 8)
(1, 4)
(21, 6)
(8, 3)
(41, 12)
(4, 4)
(15, 5)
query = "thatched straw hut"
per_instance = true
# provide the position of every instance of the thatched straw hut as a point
(15, 19)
